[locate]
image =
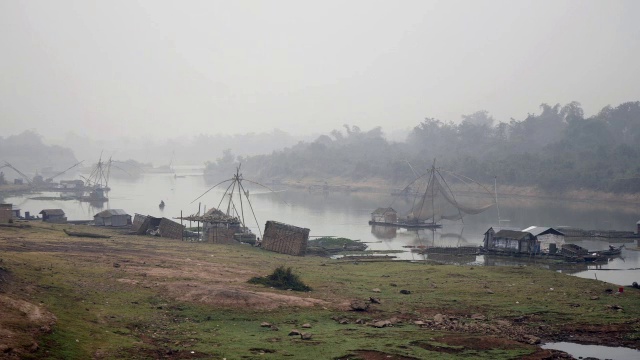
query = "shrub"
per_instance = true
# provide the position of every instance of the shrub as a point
(283, 279)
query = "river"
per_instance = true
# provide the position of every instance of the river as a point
(346, 214)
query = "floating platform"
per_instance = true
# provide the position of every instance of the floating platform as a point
(406, 225)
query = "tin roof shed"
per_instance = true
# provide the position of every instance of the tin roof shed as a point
(110, 213)
(541, 230)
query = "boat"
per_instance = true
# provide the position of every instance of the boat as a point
(85, 234)
(96, 195)
(437, 201)
(612, 251)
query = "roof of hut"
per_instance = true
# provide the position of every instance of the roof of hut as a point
(512, 234)
(541, 230)
(213, 216)
(110, 212)
(52, 212)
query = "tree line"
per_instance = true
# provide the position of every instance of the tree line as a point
(555, 150)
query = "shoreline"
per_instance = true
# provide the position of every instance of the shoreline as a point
(504, 191)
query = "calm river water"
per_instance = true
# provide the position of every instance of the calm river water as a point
(347, 215)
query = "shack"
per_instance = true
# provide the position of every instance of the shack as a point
(142, 223)
(547, 237)
(170, 229)
(112, 217)
(386, 215)
(17, 213)
(53, 216)
(163, 227)
(220, 228)
(6, 213)
(285, 239)
(510, 241)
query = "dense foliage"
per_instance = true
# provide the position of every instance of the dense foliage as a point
(556, 150)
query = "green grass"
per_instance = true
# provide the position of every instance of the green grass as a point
(103, 312)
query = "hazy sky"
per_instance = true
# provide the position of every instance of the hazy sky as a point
(166, 68)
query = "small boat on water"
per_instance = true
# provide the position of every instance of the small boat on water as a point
(612, 251)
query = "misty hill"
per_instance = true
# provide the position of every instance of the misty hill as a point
(193, 150)
(556, 150)
(28, 153)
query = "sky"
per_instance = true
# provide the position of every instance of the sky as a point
(162, 68)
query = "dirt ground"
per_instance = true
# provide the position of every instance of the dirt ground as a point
(23, 322)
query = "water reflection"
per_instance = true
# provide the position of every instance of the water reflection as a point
(384, 232)
(594, 351)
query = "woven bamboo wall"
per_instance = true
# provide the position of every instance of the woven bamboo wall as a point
(140, 224)
(170, 229)
(221, 235)
(285, 239)
(5, 213)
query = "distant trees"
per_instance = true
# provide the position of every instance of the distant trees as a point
(556, 150)
(27, 152)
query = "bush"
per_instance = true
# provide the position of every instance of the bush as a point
(283, 279)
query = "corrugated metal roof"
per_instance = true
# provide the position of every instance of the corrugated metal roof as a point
(110, 213)
(511, 234)
(540, 230)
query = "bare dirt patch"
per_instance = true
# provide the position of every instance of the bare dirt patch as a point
(236, 297)
(374, 355)
(212, 284)
(20, 325)
(480, 342)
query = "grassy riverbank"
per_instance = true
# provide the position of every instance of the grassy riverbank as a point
(146, 297)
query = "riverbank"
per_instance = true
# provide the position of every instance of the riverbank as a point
(70, 297)
(377, 185)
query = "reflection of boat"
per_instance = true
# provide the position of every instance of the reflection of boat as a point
(436, 202)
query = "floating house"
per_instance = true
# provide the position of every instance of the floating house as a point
(285, 239)
(53, 216)
(112, 217)
(548, 238)
(384, 215)
(510, 241)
